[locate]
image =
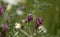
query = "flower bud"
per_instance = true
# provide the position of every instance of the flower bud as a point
(29, 18)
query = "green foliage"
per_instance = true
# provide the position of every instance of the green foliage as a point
(3, 18)
(44, 8)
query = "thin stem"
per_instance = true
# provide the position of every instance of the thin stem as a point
(15, 34)
(25, 33)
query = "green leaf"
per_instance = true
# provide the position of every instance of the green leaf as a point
(3, 18)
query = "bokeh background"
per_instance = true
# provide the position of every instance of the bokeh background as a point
(48, 9)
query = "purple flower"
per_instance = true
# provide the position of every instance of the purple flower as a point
(38, 22)
(29, 18)
(1, 10)
(5, 27)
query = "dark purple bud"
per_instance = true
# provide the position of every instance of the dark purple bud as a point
(38, 22)
(1, 10)
(29, 18)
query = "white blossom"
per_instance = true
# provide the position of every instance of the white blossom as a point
(12, 2)
(23, 21)
(19, 12)
(18, 25)
(42, 28)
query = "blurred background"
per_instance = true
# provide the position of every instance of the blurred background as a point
(13, 14)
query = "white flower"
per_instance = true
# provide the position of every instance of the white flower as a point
(18, 25)
(42, 28)
(12, 2)
(44, 31)
(23, 21)
(19, 12)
